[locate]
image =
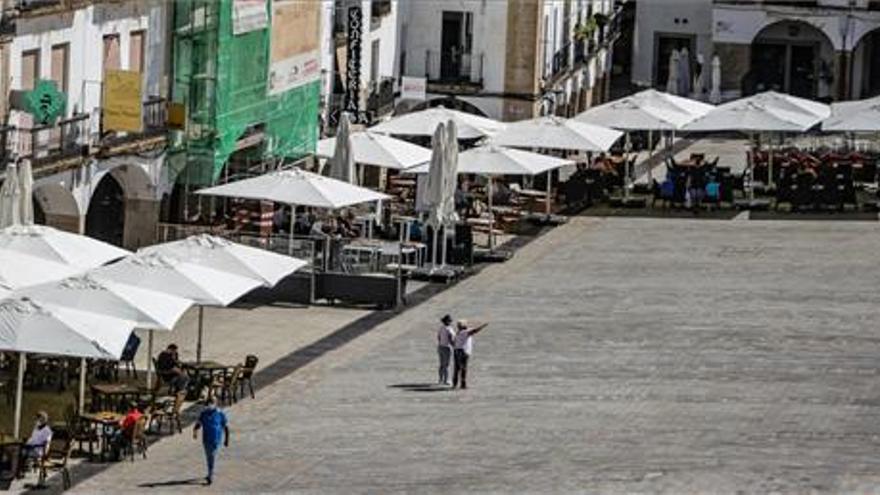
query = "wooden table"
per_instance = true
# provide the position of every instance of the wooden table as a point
(106, 423)
(202, 374)
(114, 396)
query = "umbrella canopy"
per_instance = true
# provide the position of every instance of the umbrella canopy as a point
(342, 163)
(10, 198)
(297, 187)
(26, 183)
(372, 148)
(32, 327)
(146, 308)
(425, 122)
(221, 254)
(21, 270)
(436, 176)
(557, 133)
(450, 174)
(498, 160)
(53, 245)
(157, 272)
(763, 112)
(715, 95)
(646, 110)
(854, 116)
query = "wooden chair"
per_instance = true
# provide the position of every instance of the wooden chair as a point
(169, 412)
(227, 385)
(55, 459)
(247, 374)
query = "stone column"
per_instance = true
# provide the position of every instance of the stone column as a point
(141, 221)
(75, 224)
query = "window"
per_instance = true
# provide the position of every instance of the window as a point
(374, 61)
(30, 69)
(136, 51)
(60, 66)
(111, 52)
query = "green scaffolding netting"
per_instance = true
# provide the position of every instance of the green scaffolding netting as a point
(221, 78)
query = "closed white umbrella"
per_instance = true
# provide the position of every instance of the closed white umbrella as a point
(26, 182)
(425, 122)
(372, 148)
(203, 285)
(684, 72)
(556, 133)
(10, 198)
(672, 80)
(715, 94)
(699, 88)
(30, 327)
(854, 116)
(435, 185)
(450, 183)
(342, 165)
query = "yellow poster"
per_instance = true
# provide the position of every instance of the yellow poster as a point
(122, 101)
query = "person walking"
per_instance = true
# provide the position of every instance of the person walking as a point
(464, 347)
(214, 425)
(445, 340)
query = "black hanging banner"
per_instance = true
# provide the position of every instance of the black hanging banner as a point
(353, 72)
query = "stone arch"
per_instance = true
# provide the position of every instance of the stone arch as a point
(59, 206)
(122, 206)
(453, 103)
(792, 56)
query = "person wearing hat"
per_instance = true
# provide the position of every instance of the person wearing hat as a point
(464, 347)
(445, 339)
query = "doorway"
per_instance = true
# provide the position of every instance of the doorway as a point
(455, 45)
(105, 219)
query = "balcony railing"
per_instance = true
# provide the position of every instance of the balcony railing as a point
(561, 60)
(453, 67)
(77, 137)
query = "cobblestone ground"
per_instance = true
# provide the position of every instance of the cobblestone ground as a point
(625, 355)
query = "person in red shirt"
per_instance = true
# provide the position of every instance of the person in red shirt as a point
(126, 428)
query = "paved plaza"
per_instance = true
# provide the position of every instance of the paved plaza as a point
(624, 356)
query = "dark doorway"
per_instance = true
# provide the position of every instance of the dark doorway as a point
(802, 71)
(455, 45)
(768, 66)
(665, 45)
(871, 80)
(105, 219)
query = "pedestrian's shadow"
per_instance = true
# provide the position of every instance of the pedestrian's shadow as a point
(421, 387)
(160, 484)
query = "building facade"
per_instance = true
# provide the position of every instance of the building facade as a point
(509, 60)
(94, 173)
(822, 49)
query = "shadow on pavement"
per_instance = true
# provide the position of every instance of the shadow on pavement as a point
(160, 484)
(421, 387)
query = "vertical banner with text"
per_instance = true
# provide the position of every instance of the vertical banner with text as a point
(353, 65)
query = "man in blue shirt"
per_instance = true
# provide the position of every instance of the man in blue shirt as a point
(212, 421)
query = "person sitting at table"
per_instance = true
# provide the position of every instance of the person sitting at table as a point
(36, 446)
(126, 429)
(345, 225)
(169, 369)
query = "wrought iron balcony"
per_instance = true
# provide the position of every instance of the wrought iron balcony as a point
(454, 70)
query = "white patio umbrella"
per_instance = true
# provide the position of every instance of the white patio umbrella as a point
(26, 183)
(146, 308)
(684, 72)
(649, 110)
(672, 79)
(715, 94)
(29, 327)
(341, 165)
(556, 133)
(854, 116)
(35, 254)
(297, 187)
(492, 161)
(205, 286)
(425, 122)
(10, 198)
(450, 182)
(699, 88)
(435, 187)
(221, 254)
(379, 150)
(764, 112)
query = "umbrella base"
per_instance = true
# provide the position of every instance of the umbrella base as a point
(753, 204)
(444, 274)
(492, 255)
(546, 219)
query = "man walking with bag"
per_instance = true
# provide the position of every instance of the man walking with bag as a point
(464, 347)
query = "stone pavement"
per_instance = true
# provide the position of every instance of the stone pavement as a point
(624, 355)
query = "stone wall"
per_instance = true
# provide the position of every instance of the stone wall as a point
(735, 63)
(141, 220)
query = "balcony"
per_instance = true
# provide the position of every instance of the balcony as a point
(67, 143)
(449, 71)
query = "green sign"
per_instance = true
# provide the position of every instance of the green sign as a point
(45, 102)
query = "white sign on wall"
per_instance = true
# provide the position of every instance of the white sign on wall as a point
(413, 88)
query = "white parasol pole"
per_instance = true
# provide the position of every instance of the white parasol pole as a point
(201, 326)
(650, 152)
(751, 170)
(443, 245)
(491, 217)
(627, 147)
(19, 392)
(150, 360)
(82, 385)
(290, 234)
(547, 202)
